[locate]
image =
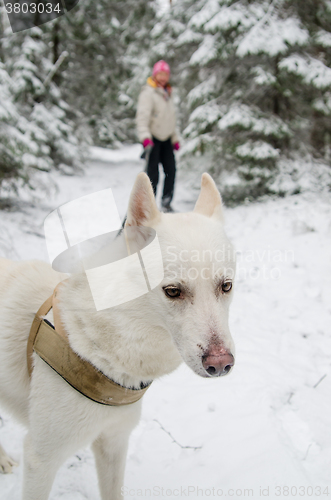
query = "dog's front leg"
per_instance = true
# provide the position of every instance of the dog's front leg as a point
(110, 455)
(40, 467)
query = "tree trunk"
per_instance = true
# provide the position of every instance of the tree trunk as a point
(276, 97)
(56, 41)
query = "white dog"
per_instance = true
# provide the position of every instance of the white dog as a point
(184, 318)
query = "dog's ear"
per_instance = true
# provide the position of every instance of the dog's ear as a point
(209, 202)
(142, 206)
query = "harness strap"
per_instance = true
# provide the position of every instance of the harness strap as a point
(42, 311)
(52, 345)
(54, 349)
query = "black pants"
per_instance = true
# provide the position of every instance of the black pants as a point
(162, 152)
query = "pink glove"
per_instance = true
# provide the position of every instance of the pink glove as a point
(148, 142)
(176, 146)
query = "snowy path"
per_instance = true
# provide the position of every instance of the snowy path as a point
(265, 426)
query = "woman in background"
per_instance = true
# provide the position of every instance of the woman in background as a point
(156, 125)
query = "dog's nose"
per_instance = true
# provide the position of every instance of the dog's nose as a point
(217, 365)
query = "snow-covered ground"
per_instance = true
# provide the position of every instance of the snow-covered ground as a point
(265, 430)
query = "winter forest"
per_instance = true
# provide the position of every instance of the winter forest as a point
(251, 81)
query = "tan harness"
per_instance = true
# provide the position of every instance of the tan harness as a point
(52, 345)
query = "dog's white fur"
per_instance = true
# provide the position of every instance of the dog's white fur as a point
(132, 343)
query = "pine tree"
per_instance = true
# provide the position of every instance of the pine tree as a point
(14, 145)
(17, 147)
(40, 118)
(29, 62)
(310, 74)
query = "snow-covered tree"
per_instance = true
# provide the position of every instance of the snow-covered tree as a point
(29, 62)
(14, 146)
(17, 144)
(34, 114)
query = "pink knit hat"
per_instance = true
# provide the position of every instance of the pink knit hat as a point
(161, 66)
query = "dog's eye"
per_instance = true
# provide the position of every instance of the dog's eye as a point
(226, 286)
(172, 292)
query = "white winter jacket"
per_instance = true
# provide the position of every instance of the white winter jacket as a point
(156, 114)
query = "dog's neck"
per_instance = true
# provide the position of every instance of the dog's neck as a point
(126, 344)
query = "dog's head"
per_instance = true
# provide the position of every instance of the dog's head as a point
(193, 299)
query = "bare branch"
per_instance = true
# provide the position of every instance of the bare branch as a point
(175, 441)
